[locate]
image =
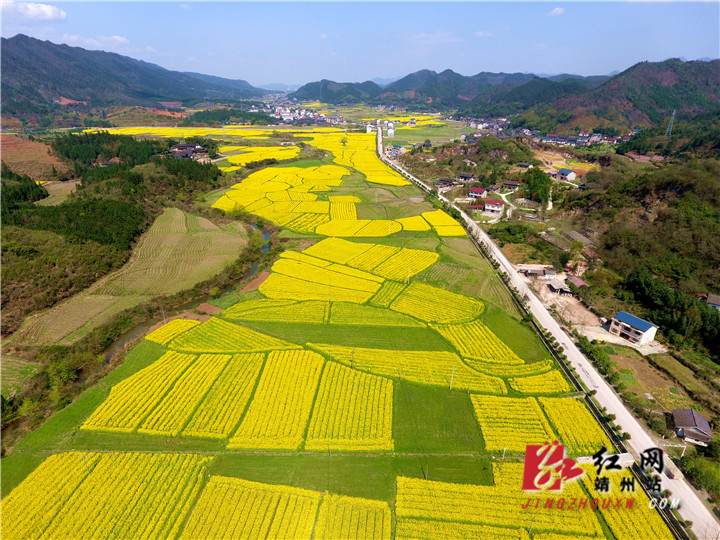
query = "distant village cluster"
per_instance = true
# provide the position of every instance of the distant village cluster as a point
(500, 127)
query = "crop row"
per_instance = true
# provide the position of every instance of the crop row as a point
(235, 508)
(352, 517)
(476, 341)
(338, 276)
(511, 423)
(353, 410)
(88, 495)
(437, 368)
(414, 223)
(431, 304)
(627, 523)
(279, 286)
(575, 425)
(301, 312)
(258, 153)
(131, 400)
(222, 408)
(387, 293)
(362, 315)
(166, 333)
(307, 223)
(498, 505)
(413, 528)
(551, 382)
(171, 414)
(406, 264)
(372, 257)
(337, 250)
(219, 336)
(342, 210)
(281, 407)
(357, 150)
(359, 227)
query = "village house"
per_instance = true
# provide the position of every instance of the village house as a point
(547, 273)
(577, 281)
(191, 151)
(477, 192)
(713, 300)
(634, 329)
(465, 178)
(691, 426)
(445, 182)
(560, 288)
(525, 165)
(512, 185)
(494, 206)
(567, 175)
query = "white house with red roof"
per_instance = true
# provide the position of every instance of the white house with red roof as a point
(494, 206)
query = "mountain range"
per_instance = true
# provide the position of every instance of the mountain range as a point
(36, 74)
(644, 94)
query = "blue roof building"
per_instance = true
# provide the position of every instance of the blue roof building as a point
(634, 329)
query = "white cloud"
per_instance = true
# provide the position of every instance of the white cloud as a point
(434, 38)
(483, 34)
(150, 49)
(98, 41)
(185, 7)
(33, 12)
(541, 45)
(323, 36)
(555, 12)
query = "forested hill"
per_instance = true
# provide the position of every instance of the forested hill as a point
(424, 88)
(37, 73)
(508, 100)
(335, 92)
(659, 233)
(645, 94)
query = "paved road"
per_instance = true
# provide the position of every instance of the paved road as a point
(705, 526)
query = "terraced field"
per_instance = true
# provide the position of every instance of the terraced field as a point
(347, 397)
(178, 251)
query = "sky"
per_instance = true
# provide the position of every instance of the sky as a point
(299, 42)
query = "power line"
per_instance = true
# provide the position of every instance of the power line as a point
(668, 131)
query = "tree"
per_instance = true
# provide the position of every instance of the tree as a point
(537, 185)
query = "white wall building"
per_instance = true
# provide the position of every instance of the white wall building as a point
(634, 329)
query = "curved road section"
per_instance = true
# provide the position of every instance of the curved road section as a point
(704, 524)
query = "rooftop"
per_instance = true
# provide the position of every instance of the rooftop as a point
(713, 299)
(577, 281)
(690, 418)
(632, 320)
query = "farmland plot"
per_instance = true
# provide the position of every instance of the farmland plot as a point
(177, 252)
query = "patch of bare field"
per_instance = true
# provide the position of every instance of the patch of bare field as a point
(33, 158)
(59, 191)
